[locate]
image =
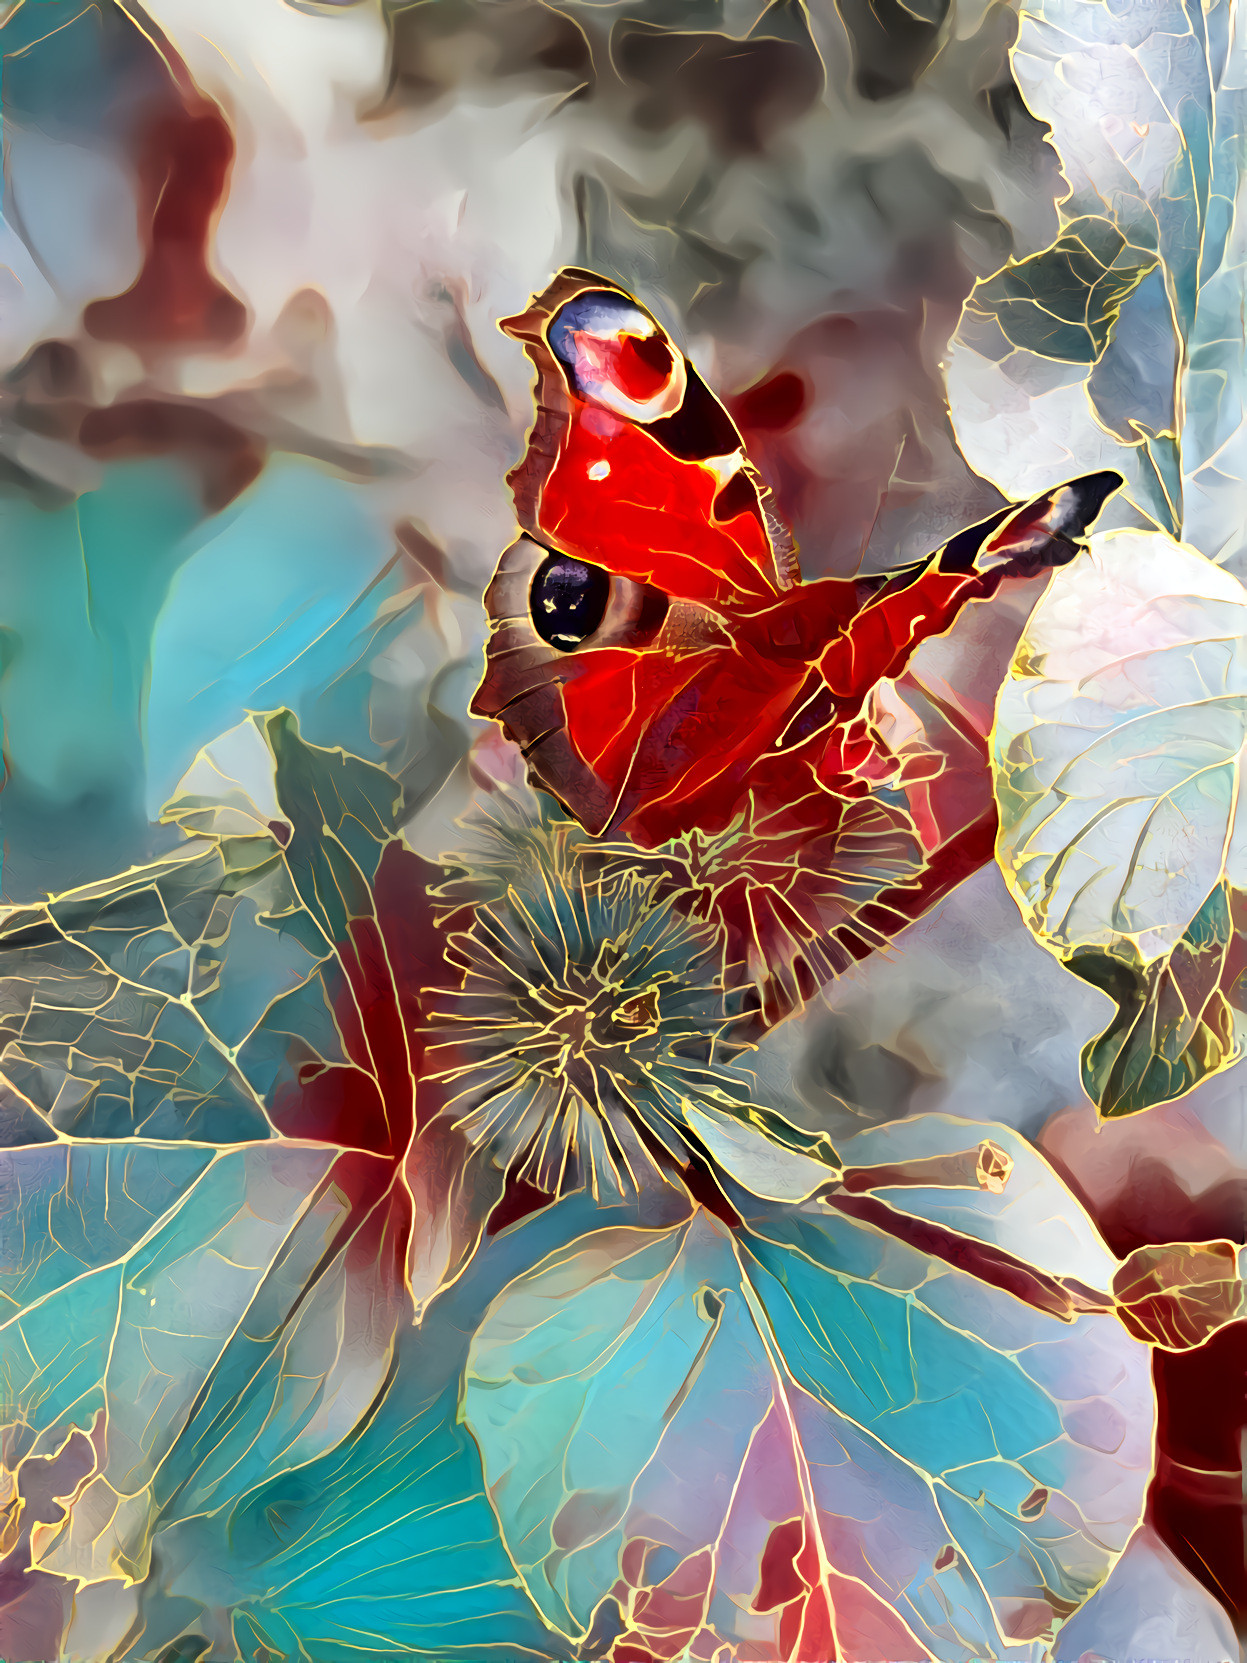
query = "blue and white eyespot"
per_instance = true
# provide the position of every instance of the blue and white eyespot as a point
(616, 356)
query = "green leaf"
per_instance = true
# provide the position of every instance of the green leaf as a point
(343, 811)
(1064, 302)
(116, 1021)
(1178, 1019)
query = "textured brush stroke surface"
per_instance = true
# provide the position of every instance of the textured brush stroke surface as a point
(802, 1224)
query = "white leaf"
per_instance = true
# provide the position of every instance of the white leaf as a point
(1119, 747)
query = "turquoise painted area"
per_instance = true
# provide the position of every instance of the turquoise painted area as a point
(72, 1209)
(386, 1545)
(133, 630)
(968, 1386)
(273, 606)
(617, 1392)
(81, 587)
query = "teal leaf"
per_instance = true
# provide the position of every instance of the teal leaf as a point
(209, 1348)
(216, 1302)
(666, 1414)
(1026, 420)
(342, 812)
(73, 1209)
(387, 1542)
(188, 997)
(386, 1547)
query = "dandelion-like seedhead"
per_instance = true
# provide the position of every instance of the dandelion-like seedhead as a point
(782, 892)
(589, 1012)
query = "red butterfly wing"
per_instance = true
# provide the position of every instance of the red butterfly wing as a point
(685, 651)
(656, 487)
(652, 646)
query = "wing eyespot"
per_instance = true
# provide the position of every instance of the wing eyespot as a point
(567, 601)
(615, 355)
(573, 604)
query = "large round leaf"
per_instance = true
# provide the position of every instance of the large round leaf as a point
(1119, 746)
(804, 1434)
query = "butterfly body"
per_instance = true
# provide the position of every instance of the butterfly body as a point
(654, 651)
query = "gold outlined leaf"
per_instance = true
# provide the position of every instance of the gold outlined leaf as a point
(1118, 754)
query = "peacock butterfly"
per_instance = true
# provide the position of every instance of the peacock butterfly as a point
(655, 653)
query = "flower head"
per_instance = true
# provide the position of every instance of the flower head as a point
(588, 1013)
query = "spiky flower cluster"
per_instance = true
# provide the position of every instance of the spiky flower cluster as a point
(589, 1011)
(790, 907)
(517, 841)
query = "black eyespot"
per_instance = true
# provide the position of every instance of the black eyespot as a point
(568, 600)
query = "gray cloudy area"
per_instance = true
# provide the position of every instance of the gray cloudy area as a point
(788, 190)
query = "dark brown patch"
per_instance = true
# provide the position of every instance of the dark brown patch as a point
(741, 91)
(183, 163)
(225, 458)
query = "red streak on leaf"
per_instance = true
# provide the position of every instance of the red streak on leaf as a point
(806, 1629)
(781, 1582)
(331, 1105)
(519, 1200)
(386, 965)
(703, 1189)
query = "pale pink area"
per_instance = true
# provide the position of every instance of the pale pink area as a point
(1159, 1176)
(767, 1585)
